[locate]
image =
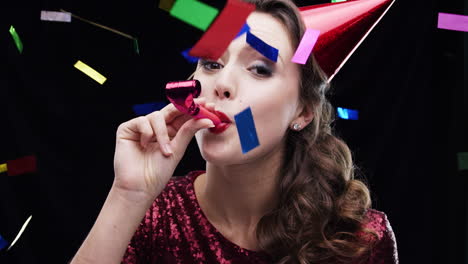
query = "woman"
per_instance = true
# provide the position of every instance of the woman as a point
(292, 199)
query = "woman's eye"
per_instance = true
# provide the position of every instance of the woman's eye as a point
(210, 65)
(261, 70)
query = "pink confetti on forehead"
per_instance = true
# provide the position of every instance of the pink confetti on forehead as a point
(305, 47)
(453, 22)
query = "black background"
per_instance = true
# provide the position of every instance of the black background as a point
(408, 79)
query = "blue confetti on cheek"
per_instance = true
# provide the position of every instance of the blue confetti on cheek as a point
(246, 130)
(3, 243)
(265, 49)
(144, 109)
(345, 113)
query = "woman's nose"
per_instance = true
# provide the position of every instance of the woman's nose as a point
(225, 84)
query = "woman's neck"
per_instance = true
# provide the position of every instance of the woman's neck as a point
(235, 197)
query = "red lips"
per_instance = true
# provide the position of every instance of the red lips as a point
(225, 123)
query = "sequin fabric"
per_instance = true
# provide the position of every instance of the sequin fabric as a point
(175, 230)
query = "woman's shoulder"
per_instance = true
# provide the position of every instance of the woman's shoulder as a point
(384, 241)
(378, 222)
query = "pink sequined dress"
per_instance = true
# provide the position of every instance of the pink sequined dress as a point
(175, 230)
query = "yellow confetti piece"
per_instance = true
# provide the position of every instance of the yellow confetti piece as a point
(3, 167)
(20, 232)
(90, 72)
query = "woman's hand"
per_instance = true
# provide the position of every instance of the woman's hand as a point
(148, 149)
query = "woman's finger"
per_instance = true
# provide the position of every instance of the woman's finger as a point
(170, 112)
(137, 129)
(158, 125)
(187, 131)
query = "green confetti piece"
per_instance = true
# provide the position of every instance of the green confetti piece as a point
(462, 161)
(337, 1)
(195, 13)
(17, 39)
(135, 46)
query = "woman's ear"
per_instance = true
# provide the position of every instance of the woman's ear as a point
(304, 117)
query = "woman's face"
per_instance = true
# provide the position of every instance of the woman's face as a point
(243, 78)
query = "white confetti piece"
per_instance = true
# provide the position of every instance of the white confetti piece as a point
(20, 232)
(55, 16)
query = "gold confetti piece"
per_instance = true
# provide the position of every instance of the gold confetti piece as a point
(3, 167)
(99, 25)
(191, 76)
(20, 232)
(90, 72)
(166, 4)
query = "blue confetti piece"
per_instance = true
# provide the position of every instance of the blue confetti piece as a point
(144, 109)
(345, 113)
(265, 49)
(3, 243)
(245, 28)
(189, 58)
(246, 130)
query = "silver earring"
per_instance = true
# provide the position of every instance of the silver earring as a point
(296, 126)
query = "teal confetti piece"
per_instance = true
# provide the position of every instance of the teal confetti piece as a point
(337, 1)
(462, 161)
(345, 113)
(135, 46)
(16, 38)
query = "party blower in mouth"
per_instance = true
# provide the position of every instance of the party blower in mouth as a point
(182, 93)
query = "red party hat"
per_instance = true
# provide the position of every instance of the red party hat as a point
(343, 26)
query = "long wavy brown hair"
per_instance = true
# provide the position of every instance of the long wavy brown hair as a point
(321, 206)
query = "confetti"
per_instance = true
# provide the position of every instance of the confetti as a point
(245, 28)
(305, 47)
(265, 49)
(195, 13)
(189, 58)
(90, 72)
(144, 109)
(345, 113)
(136, 47)
(462, 161)
(453, 22)
(3, 167)
(55, 16)
(337, 1)
(166, 4)
(16, 38)
(20, 232)
(19, 166)
(246, 130)
(3, 243)
(223, 30)
(100, 26)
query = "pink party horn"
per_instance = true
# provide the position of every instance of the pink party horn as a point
(182, 93)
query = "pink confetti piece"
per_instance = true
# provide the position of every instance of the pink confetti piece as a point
(453, 22)
(305, 47)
